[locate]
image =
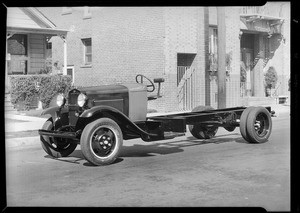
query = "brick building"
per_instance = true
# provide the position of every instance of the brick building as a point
(113, 45)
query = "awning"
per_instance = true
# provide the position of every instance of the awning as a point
(261, 23)
(259, 17)
(49, 31)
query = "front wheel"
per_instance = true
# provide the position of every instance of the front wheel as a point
(101, 141)
(56, 147)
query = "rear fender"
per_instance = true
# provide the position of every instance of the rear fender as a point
(122, 120)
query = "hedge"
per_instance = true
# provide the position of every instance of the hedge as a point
(26, 88)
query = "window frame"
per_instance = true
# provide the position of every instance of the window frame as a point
(25, 45)
(85, 53)
(213, 48)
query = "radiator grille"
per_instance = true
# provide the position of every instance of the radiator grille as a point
(73, 94)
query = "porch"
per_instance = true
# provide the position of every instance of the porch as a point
(28, 46)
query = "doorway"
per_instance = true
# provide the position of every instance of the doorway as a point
(247, 64)
(247, 60)
(186, 81)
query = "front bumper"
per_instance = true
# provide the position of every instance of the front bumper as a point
(59, 134)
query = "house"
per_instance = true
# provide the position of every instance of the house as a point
(108, 45)
(27, 42)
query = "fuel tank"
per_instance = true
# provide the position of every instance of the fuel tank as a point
(130, 99)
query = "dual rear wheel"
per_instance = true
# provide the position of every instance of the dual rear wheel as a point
(255, 125)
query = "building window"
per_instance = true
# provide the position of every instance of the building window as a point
(87, 13)
(48, 50)
(66, 10)
(87, 51)
(213, 49)
(17, 45)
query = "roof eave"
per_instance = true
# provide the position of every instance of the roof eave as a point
(48, 31)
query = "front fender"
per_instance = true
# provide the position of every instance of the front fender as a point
(123, 121)
(100, 109)
(53, 111)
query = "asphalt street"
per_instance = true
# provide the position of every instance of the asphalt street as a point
(223, 171)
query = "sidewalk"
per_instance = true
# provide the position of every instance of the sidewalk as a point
(23, 123)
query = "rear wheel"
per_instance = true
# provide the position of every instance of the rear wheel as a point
(200, 131)
(259, 125)
(56, 147)
(243, 122)
(101, 141)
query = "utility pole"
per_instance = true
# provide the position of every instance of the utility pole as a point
(221, 58)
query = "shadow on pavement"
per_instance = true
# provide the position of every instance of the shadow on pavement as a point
(149, 150)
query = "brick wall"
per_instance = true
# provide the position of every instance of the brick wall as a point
(184, 33)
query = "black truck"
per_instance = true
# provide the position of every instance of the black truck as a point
(99, 119)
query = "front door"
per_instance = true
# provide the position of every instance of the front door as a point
(247, 58)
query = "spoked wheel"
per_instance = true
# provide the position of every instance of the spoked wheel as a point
(259, 125)
(57, 147)
(203, 132)
(101, 141)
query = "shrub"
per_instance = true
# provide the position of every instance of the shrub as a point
(23, 88)
(47, 69)
(270, 80)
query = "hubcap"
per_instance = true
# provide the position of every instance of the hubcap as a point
(103, 142)
(261, 125)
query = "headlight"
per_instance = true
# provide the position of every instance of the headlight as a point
(81, 100)
(60, 100)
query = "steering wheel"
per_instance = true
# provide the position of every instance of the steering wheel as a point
(151, 85)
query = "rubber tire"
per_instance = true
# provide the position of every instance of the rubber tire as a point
(50, 150)
(87, 134)
(253, 136)
(196, 129)
(243, 122)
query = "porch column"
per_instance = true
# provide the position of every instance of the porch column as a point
(6, 74)
(65, 57)
(258, 78)
(63, 37)
(7, 83)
